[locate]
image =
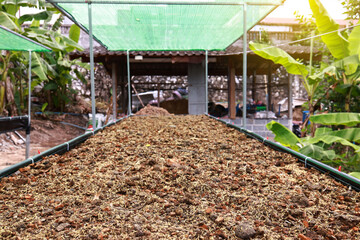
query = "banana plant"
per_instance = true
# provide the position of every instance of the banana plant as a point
(345, 49)
(292, 66)
(325, 145)
(48, 69)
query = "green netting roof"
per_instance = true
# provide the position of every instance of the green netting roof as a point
(13, 41)
(168, 24)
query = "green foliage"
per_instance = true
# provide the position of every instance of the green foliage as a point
(6, 20)
(43, 107)
(284, 135)
(317, 152)
(355, 174)
(332, 147)
(354, 39)
(52, 70)
(352, 8)
(30, 17)
(351, 134)
(336, 43)
(347, 119)
(74, 33)
(279, 56)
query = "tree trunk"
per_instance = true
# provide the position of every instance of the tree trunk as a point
(10, 97)
(2, 97)
(22, 106)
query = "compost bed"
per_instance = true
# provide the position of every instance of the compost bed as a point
(175, 177)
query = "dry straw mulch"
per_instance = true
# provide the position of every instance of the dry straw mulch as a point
(175, 177)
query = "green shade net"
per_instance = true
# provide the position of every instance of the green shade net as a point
(175, 26)
(13, 41)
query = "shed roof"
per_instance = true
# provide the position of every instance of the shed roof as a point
(161, 62)
(153, 25)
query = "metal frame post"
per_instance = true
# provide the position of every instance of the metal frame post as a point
(290, 102)
(27, 151)
(129, 81)
(244, 64)
(92, 81)
(206, 82)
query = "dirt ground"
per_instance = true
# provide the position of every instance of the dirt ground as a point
(45, 134)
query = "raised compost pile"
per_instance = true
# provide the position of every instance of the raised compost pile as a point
(153, 111)
(175, 177)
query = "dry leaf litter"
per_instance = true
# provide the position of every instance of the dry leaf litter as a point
(152, 111)
(175, 177)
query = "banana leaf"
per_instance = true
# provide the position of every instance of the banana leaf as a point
(50, 86)
(12, 8)
(350, 64)
(279, 56)
(283, 135)
(343, 118)
(355, 174)
(330, 70)
(350, 134)
(337, 45)
(37, 16)
(322, 131)
(6, 20)
(74, 33)
(317, 152)
(343, 88)
(330, 140)
(354, 41)
(37, 65)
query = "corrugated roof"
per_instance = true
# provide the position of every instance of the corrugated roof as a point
(233, 50)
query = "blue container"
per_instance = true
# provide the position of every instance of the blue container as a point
(305, 115)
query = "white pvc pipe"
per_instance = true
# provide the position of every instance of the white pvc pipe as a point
(92, 81)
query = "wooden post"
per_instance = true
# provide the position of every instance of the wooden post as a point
(158, 94)
(253, 91)
(231, 90)
(123, 88)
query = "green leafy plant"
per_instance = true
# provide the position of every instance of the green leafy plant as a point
(344, 70)
(339, 146)
(52, 70)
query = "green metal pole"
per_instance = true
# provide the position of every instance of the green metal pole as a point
(311, 50)
(27, 152)
(92, 81)
(244, 64)
(206, 82)
(129, 82)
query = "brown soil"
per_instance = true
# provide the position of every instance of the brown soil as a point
(45, 134)
(152, 111)
(175, 177)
